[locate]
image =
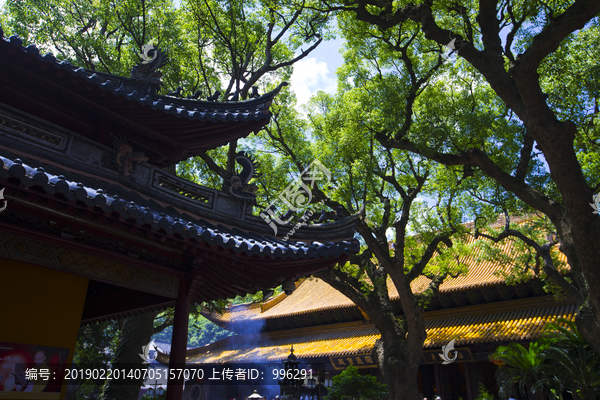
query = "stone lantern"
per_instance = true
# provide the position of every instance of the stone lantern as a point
(290, 387)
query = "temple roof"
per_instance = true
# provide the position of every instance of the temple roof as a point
(130, 204)
(515, 320)
(313, 296)
(81, 168)
(169, 128)
(72, 201)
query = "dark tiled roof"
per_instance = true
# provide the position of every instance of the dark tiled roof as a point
(112, 197)
(315, 295)
(169, 129)
(205, 111)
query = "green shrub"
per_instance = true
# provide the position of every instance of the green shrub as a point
(351, 385)
(560, 361)
(484, 394)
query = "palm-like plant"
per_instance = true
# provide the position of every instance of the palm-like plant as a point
(573, 363)
(524, 367)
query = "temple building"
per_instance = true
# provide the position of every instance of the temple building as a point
(328, 332)
(94, 227)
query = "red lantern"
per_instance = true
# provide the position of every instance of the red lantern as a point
(497, 362)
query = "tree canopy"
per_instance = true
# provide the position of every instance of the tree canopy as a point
(504, 90)
(445, 112)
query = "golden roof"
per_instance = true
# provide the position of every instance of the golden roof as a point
(311, 294)
(489, 323)
(314, 294)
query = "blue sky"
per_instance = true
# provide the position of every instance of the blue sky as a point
(317, 71)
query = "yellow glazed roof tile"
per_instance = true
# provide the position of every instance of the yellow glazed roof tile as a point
(500, 322)
(315, 295)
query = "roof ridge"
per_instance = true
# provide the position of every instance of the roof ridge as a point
(466, 311)
(521, 319)
(276, 300)
(95, 77)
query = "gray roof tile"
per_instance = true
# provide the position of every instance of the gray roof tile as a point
(111, 198)
(180, 107)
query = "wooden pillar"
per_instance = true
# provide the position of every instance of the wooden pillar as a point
(179, 341)
(442, 381)
(470, 394)
(438, 381)
(475, 377)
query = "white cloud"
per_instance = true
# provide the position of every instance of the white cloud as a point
(309, 77)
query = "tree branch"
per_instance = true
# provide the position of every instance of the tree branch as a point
(477, 158)
(575, 17)
(543, 251)
(212, 165)
(526, 153)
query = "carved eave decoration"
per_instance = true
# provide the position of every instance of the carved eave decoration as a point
(124, 158)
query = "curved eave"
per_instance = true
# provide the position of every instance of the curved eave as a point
(260, 103)
(180, 128)
(341, 229)
(230, 263)
(32, 173)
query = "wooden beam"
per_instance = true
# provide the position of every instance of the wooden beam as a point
(121, 301)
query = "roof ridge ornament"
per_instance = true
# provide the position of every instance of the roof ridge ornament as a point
(237, 185)
(151, 59)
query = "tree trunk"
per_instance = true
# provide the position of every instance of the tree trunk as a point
(556, 142)
(398, 358)
(136, 334)
(573, 218)
(520, 89)
(398, 352)
(522, 92)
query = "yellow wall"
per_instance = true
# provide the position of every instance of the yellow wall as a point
(40, 306)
